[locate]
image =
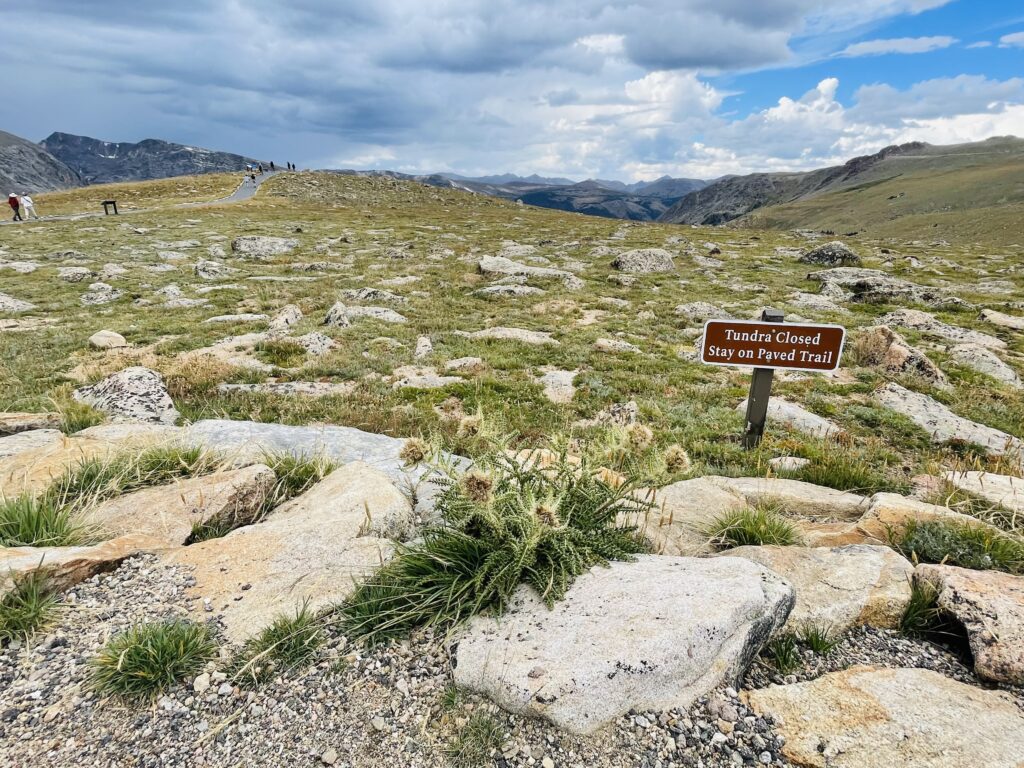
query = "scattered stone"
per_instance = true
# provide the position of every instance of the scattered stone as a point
(20, 442)
(466, 365)
(644, 261)
(374, 294)
(839, 587)
(983, 360)
(814, 301)
(424, 348)
(12, 422)
(75, 274)
(243, 317)
(872, 286)
(133, 394)
(262, 248)
(537, 338)
(945, 426)
(799, 419)
(341, 316)
(206, 269)
(1004, 490)
(615, 346)
(107, 340)
(300, 388)
(1013, 322)
(989, 605)
(508, 290)
(833, 254)
(684, 512)
(413, 377)
(652, 634)
(928, 324)
(889, 514)
(880, 346)
(315, 343)
(558, 385)
(871, 717)
(11, 304)
(288, 316)
(500, 265)
(100, 293)
(788, 463)
(701, 312)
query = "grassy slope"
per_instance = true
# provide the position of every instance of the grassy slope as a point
(960, 196)
(139, 194)
(682, 401)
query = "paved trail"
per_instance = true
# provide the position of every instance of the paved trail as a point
(245, 191)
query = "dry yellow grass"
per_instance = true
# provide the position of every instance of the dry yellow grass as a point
(134, 195)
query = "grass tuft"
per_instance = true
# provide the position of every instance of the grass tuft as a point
(538, 526)
(295, 475)
(962, 544)
(287, 644)
(784, 654)
(150, 658)
(475, 742)
(818, 638)
(752, 527)
(74, 416)
(31, 521)
(27, 608)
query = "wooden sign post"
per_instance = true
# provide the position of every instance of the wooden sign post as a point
(766, 345)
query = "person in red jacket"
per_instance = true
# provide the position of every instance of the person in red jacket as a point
(12, 200)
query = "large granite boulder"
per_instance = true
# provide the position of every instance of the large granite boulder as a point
(21, 442)
(984, 360)
(135, 394)
(990, 607)
(833, 254)
(839, 587)
(168, 512)
(644, 261)
(869, 717)
(929, 325)
(652, 634)
(314, 548)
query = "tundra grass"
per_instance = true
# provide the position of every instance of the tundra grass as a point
(27, 608)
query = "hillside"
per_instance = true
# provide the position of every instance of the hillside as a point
(968, 192)
(99, 162)
(27, 167)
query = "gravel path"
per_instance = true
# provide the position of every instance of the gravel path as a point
(352, 708)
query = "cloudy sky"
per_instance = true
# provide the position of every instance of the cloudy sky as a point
(580, 88)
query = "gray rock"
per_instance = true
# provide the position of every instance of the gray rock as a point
(244, 317)
(701, 311)
(100, 293)
(799, 418)
(833, 254)
(537, 338)
(882, 347)
(374, 294)
(1004, 490)
(509, 290)
(75, 274)
(649, 635)
(341, 316)
(985, 361)
(500, 265)
(135, 394)
(928, 324)
(315, 343)
(1013, 322)
(285, 318)
(29, 441)
(873, 286)
(261, 248)
(644, 261)
(107, 340)
(11, 304)
(212, 270)
(796, 497)
(615, 345)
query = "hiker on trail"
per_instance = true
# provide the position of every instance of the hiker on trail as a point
(253, 177)
(261, 169)
(29, 206)
(12, 200)
(248, 168)
(271, 166)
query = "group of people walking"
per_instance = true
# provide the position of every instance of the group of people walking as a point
(22, 206)
(252, 170)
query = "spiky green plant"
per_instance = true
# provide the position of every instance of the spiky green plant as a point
(922, 617)
(28, 607)
(964, 544)
(819, 638)
(33, 521)
(150, 658)
(288, 643)
(295, 474)
(475, 742)
(541, 527)
(784, 654)
(752, 527)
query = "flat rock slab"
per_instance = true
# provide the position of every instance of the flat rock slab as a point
(299, 388)
(35, 469)
(983, 360)
(868, 717)
(315, 547)
(28, 441)
(558, 385)
(889, 514)
(67, 566)
(684, 512)
(168, 512)
(990, 607)
(796, 497)
(943, 425)
(262, 247)
(799, 418)
(1004, 490)
(1013, 322)
(653, 634)
(839, 587)
(499, 266)
(538, 338)
(930, 325)
(12, 421)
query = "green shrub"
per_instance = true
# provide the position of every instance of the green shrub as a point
(505, 526)
(31, 521)
(27, 608)
(818, 638)
(784, 654)
(150, 658)
(962, 544)
(288, 643)
(474, 742)
(753, 527)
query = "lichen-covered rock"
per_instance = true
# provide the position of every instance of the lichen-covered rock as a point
(11, 304)
(12, 422)
(833, 254)
(537, 338)
(133, 394)
(881, 346)
(1004, 490)
(261, 247)
(983, 360)
(932, 326)
(499, 265)
(342, 316)
(869, 717)
(796, 497)
(644, 261)
(653, 634)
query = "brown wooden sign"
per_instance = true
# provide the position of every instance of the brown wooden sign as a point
(794, 346)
